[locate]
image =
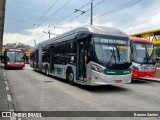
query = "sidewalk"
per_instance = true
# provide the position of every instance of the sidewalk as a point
(152, 79)
(3, 94)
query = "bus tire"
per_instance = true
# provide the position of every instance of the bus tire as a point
(70, 77)
(46, 71)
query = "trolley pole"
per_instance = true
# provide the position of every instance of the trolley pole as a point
(91, 22)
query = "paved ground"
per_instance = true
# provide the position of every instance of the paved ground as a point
(3, 94)
(33, 91)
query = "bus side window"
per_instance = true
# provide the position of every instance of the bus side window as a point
(71, 51)
(43, 58)
(57, 52)
(43, 55)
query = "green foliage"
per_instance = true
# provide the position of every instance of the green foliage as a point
(157, 52)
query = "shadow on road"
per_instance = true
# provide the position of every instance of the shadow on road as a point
(140, 81)
(103, 88)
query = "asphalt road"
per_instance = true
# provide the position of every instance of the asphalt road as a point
(33, 91)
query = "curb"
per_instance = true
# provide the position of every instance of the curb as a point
(153, 80)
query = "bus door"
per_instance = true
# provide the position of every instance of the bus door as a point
(82, 60)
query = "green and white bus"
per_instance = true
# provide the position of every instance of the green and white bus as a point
(89, 55)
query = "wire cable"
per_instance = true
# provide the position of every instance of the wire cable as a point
(118, 9)
(83, 12)
(22, 21)
(47, 11)
(55, 12)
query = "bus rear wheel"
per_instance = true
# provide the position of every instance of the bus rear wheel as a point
(70, 77)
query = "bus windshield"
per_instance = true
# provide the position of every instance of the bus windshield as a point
(15, 56)
(112, 51)
(142, 53)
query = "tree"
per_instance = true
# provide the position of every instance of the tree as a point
(157, 51)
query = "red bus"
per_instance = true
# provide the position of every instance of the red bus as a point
(142, 58)
(14, 58)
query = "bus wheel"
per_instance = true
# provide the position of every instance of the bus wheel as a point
(70, 77)
(46, 71)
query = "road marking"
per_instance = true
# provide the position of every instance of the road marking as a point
(9, 98)
(7, 88)
(4, 73)
(6, 83)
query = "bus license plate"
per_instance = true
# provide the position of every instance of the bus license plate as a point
(118, 81)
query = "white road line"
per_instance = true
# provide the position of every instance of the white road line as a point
(6, 83)
(7, 88)
(11, 110)
(9, 98)
(4, 73)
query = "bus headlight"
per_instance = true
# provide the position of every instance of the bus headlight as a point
(8, 63)
(97, 68)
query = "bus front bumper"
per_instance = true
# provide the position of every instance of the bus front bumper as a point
(143, 74)
(102, 79)
(15, 65)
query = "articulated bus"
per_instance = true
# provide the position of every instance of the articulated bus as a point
(14, 58)
(142, 58)
(89, 55)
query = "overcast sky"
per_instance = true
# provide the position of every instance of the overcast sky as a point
(25, 20)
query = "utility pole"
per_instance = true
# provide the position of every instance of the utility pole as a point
(34, 42)
(49, 33)
(91, 22)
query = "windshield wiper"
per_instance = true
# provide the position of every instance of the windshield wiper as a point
(121, 57)
(111, 58)
(148, 58)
